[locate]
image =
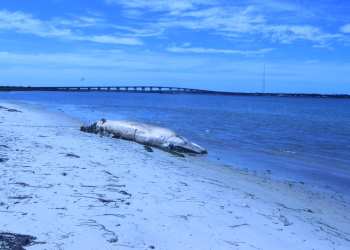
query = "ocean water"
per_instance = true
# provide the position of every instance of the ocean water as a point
(294, 138)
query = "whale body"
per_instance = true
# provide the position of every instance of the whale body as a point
(145, 134)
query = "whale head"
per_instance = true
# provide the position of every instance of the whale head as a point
(182, 145)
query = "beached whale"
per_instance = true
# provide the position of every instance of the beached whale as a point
(145, 134)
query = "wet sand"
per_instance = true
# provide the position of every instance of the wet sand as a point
(73, 190)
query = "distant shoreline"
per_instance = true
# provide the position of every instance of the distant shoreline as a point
(161, 90)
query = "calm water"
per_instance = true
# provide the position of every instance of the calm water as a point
(293, 137)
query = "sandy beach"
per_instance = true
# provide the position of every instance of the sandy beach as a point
(72, 190)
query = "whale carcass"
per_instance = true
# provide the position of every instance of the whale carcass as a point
(145, 134)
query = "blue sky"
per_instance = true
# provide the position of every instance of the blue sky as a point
(213, 44)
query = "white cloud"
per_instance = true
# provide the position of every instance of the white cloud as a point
(25, 23)
(218, 51)
(172, 7)
(108, 59)
(345, 28)
(138, 32)
(238, 22)
(110, 39)
(79, 21)
(233, 19)
(278, 5)
(290, 33)
(58, 28)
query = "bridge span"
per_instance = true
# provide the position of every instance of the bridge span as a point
(162, 90)
(132, 89)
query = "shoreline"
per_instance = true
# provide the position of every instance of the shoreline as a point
(290, 177)
(105, 194)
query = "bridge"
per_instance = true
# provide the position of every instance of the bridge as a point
(132, 89)
(162, 90)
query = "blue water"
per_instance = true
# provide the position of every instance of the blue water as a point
(297, 138)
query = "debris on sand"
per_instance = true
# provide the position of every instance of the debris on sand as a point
(3, 159)
(148, 148)
(285, 221)
(11, 241)
(20, 197)
(72, 155)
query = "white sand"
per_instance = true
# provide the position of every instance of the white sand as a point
(118, 196)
